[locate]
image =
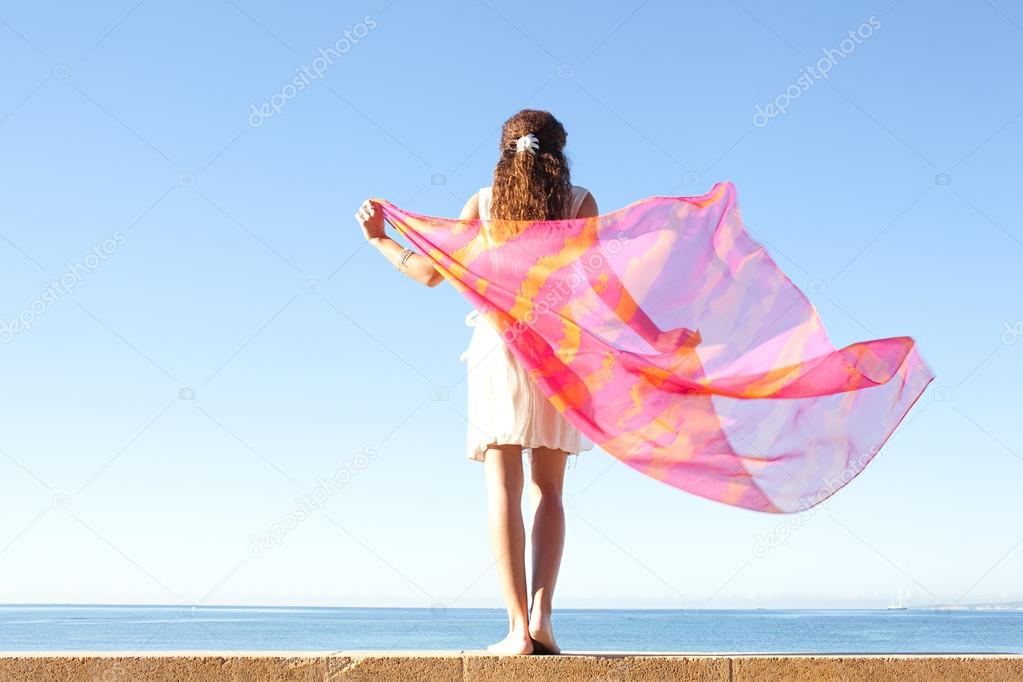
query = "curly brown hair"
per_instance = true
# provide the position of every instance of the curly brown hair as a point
(532, 186)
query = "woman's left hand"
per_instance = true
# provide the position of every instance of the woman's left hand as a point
(371, 220)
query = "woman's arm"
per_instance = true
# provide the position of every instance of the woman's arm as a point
(417, 267)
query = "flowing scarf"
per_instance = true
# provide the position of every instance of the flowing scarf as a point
(672, 340)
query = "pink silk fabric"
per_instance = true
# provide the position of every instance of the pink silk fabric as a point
(671, 339)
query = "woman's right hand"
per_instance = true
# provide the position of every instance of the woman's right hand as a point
(371, 220)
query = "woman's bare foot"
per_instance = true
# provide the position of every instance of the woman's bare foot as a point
(515, 644)
(542, 633)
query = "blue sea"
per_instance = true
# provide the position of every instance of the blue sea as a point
(156, 628)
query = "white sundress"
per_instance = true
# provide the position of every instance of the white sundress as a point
(505, 406)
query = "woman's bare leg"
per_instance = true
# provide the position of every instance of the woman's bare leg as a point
(503, 465)
(547, 473)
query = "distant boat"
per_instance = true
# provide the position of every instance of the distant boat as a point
(896, 603)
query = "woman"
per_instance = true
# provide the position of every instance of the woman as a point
(507, 412)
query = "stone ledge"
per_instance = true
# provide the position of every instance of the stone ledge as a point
(469, 665)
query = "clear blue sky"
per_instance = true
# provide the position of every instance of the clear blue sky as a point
(227, 263)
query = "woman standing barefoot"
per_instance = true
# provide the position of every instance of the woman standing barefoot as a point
(508, 414)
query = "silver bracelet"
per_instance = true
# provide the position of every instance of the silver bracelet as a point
(405, 255)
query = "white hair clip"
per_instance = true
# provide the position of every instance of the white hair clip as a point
(527, 142)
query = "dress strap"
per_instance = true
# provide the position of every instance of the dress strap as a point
(579, 195)
(483, 199)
